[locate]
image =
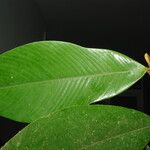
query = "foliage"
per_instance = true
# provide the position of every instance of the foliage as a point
(51, 84)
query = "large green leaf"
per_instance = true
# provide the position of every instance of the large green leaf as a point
(42, 77)
(85, 128)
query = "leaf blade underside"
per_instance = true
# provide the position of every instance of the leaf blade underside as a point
(86, 127)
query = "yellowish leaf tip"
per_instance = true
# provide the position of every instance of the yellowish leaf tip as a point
(147, 58)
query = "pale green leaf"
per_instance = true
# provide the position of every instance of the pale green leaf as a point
(85, 128)
(42, 77)
(147, 147)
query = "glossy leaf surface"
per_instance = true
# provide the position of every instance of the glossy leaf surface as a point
(42, 77)
(85, 128)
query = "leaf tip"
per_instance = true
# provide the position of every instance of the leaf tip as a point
(147, 58)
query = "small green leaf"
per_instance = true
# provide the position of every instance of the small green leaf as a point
(85, 128)
(43, 77)
(147, 147)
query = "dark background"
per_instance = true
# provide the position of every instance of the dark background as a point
(121, 25)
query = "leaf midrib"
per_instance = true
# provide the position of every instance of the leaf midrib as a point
(65, 78)
(113, 137)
